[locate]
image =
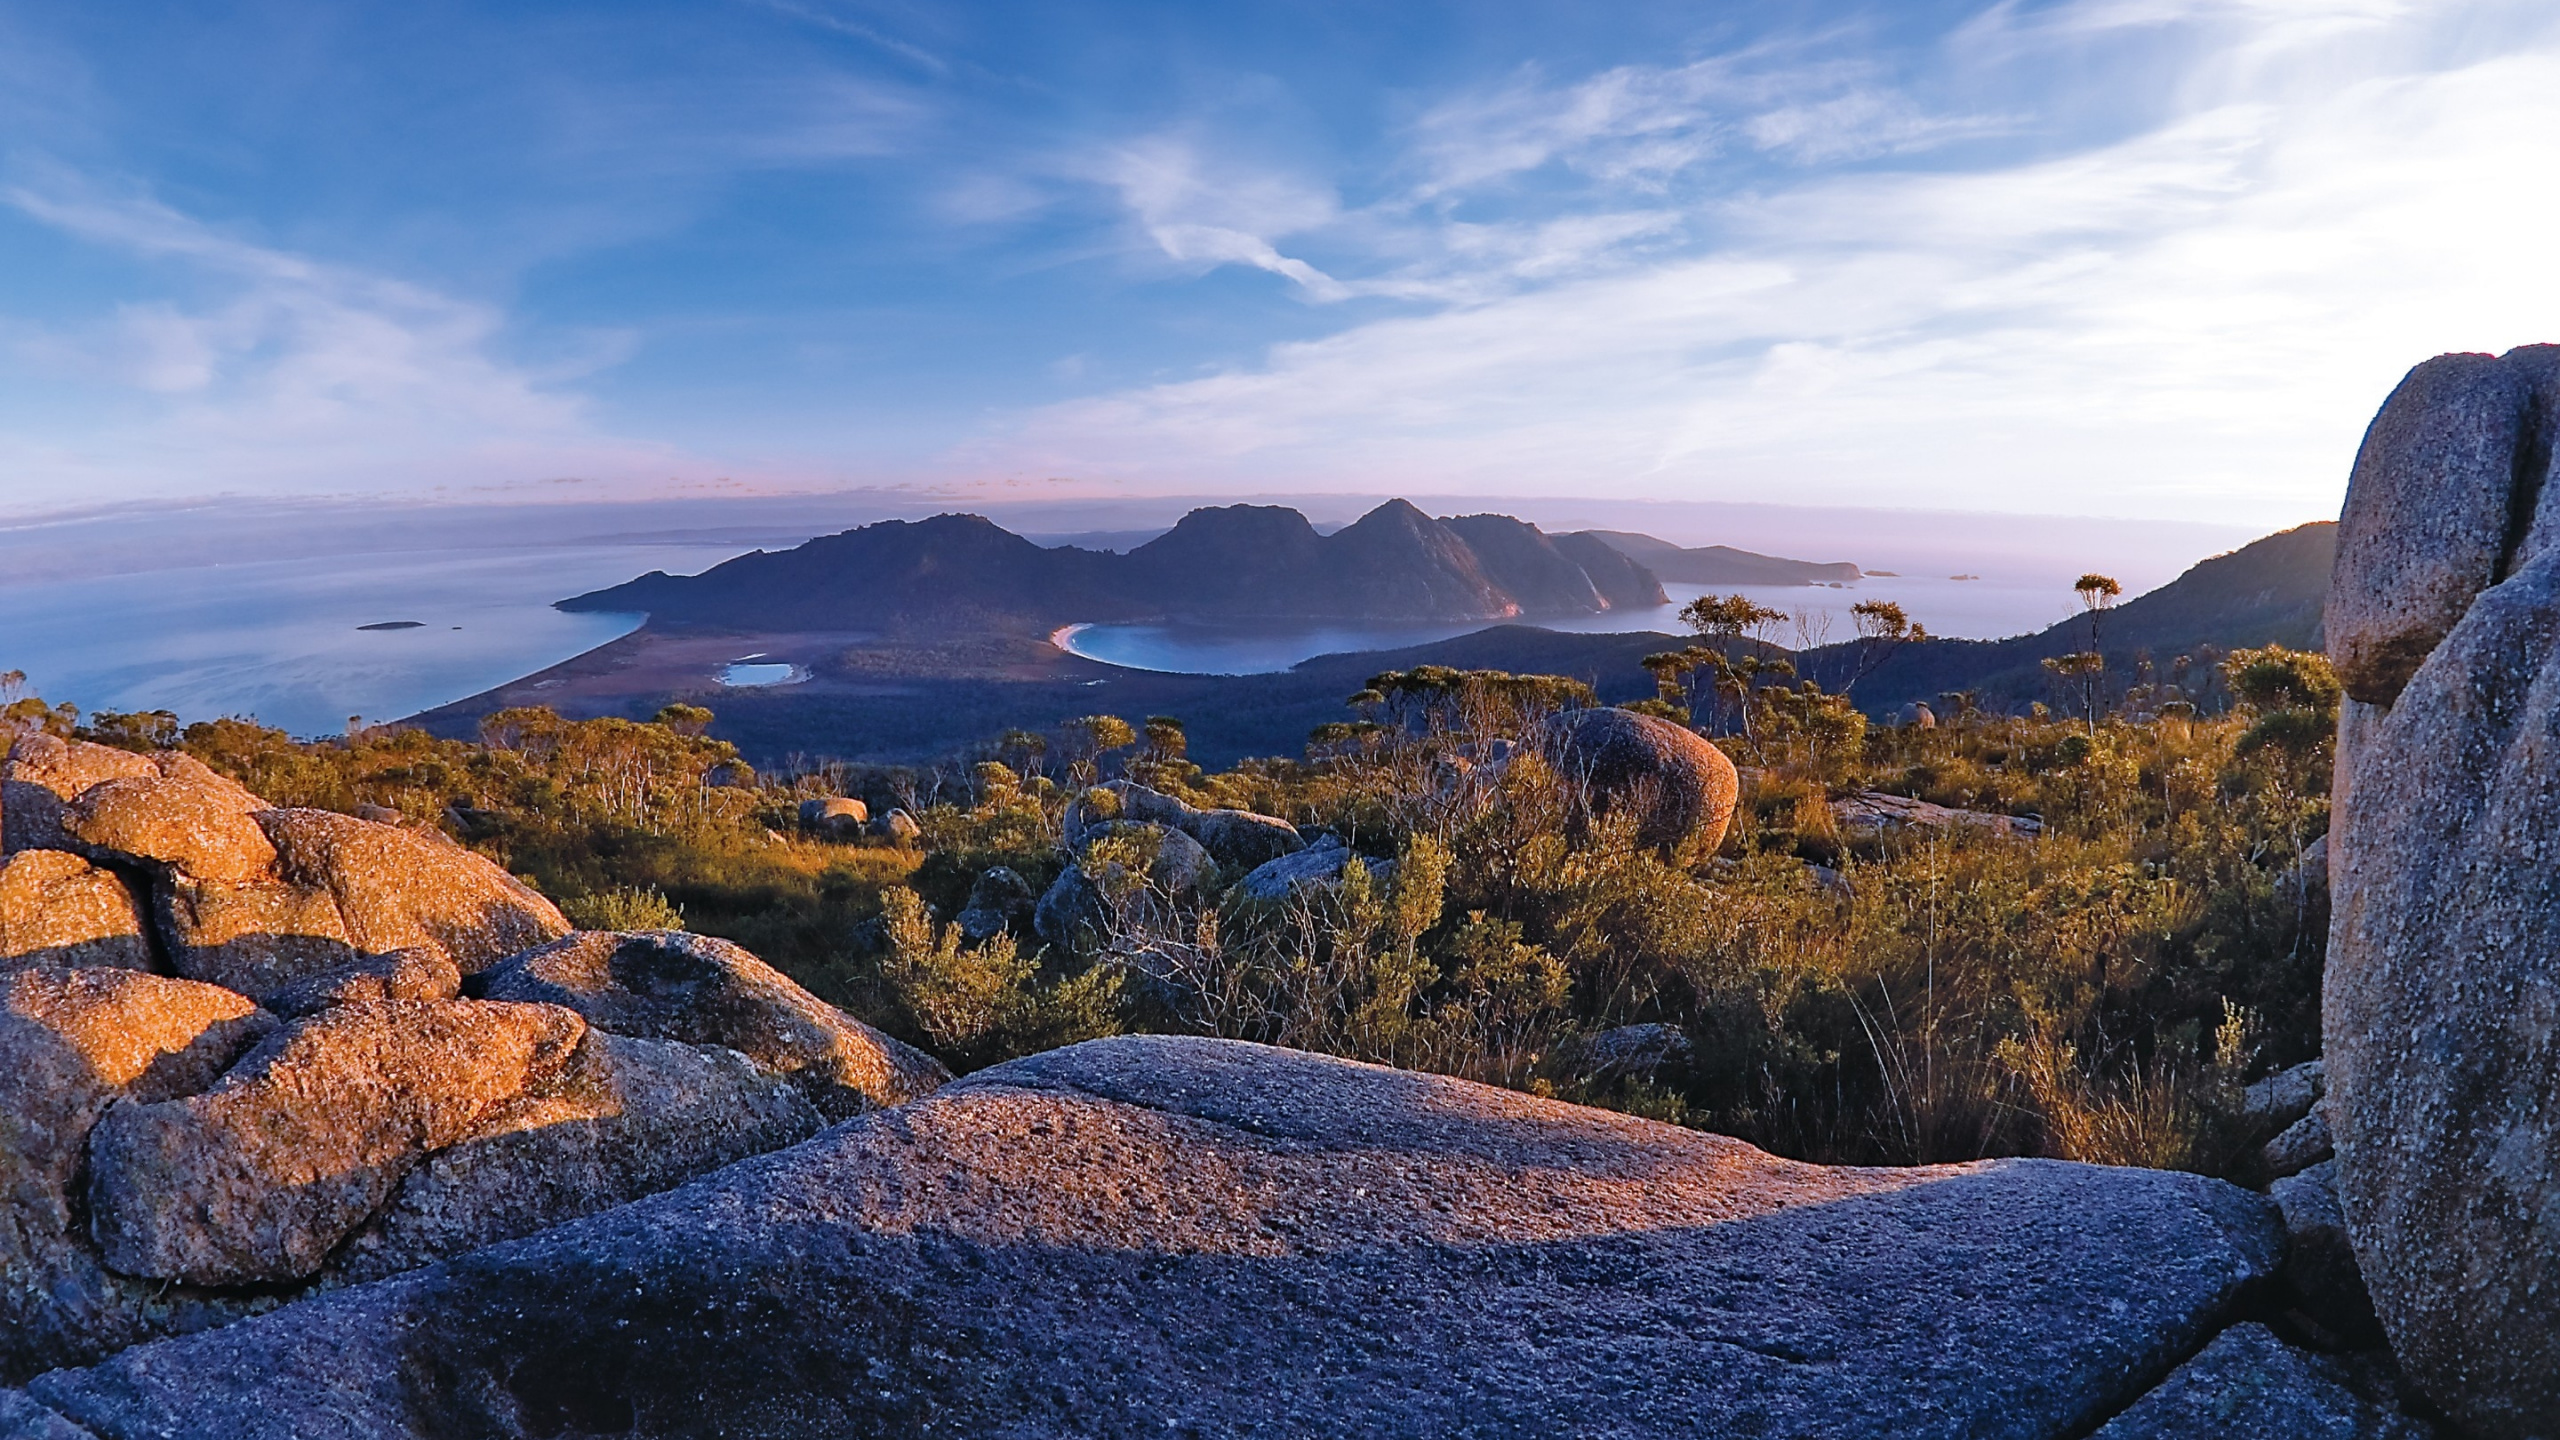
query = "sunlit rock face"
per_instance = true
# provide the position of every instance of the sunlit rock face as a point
(1158, 1235)
(2441, 1005)
(310, 1099)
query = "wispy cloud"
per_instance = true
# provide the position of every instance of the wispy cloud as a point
(280, 367)
(829, 20)
(2200, 314)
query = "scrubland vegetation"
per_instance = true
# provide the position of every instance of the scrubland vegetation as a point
(2098, 990)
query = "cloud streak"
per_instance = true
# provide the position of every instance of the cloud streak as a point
(278, 370)
(2198, 315)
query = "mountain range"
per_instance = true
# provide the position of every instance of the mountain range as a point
(1228, 562)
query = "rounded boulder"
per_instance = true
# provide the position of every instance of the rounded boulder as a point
(1681, 788)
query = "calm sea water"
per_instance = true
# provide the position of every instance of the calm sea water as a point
(278, 640)
(1985, 609)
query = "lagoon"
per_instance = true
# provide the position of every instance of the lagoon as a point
(1980, 609)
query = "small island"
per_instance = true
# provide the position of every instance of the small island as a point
(397, 625)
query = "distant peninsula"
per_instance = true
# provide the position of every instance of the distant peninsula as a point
(1229, 562)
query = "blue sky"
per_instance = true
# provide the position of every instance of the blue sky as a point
(2142, 257)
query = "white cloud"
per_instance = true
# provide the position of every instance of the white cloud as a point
(2194, 320)
(275, 369)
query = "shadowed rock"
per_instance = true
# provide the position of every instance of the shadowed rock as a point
(399, 975)
(669, 985)
(46, 772)
(2441, 1012)
(255, 937)
(200, 826)
(72, 1042)
(897, 827)
(2249, 1385)
(1074, 914)
(400, 888)
(1000, 901)
(1236, 838)
(630, 1118)
(2437, 509)
(1166, 1236)
(2283, 1098)
(2304, 1143)
(1682, 788)
(2319, 1260)
(835, 816)
(59, 910)
(23, 1419)
(258, 1178)
(1319, 866)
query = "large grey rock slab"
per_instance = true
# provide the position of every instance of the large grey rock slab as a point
(1679, 786)
(2250, 1385)
(1154, 1236)
(629, 1118)
(72, 1044)
(2437, 509)
(670, 985)
(2441, 1013)
(58, 910)
(260, 1177)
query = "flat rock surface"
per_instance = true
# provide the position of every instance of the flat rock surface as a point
(260, 1177)
(670, 985)
(2250, 1385)
(1875, 810)
(1155, 1236)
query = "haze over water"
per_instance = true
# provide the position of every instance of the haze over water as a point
(1985, 609)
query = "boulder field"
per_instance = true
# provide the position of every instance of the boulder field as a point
(2441, 1006)
(248, 1054)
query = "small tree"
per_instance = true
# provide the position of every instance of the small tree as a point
(1883, 627)
(686, 720)
(1091, 738)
